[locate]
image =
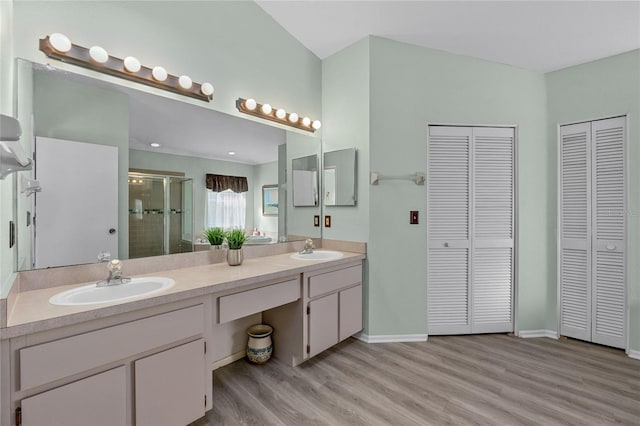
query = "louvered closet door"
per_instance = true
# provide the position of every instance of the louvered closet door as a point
(593, 231)
(448, 228)
(492, 230)
(609, 228)
(470, 230)
(575, 231)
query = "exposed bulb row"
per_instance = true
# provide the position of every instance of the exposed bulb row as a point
(266, 109)
(62, 44)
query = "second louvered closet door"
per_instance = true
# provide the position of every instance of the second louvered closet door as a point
(593, 231)
(470, 230)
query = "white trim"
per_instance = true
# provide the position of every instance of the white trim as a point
(634, 354)
(527, 334)
(228, 360)
(391, 338)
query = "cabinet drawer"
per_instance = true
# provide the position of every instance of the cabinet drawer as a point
(249, 302)
(51, 361)
(332, 281)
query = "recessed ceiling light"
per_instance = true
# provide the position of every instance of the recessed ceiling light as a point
(231, 153)
(154, 145)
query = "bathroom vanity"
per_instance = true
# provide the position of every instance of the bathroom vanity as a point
(149, 361)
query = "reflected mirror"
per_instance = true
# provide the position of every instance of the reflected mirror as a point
(339, 177)
(161, 204)
(305, 181)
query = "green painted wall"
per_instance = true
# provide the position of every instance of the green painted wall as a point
(410, 88)
(234, 45)
(345, 100)
(345, 112)
(599, 89)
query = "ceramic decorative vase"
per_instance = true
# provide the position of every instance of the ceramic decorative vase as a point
(235, 257)
(259, 346)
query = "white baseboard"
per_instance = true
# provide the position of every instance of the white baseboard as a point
(634, 354)
(527, 334)
(391, 338)
(228, 360)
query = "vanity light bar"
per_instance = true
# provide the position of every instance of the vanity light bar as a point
(59, 47)
(278, 115)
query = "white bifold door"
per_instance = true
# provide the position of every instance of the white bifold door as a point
(593, 231)
(470, 198)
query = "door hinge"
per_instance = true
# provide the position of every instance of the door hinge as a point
(205, 349)
(18, 416)
(308, 310)
(205, 400)
(308, 348)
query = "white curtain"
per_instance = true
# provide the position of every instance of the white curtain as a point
(226, 209)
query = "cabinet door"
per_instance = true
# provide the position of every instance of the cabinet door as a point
(170, 386)
(96, 400)
(350, 311)
(323, 323)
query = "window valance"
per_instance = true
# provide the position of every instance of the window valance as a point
(220, 183)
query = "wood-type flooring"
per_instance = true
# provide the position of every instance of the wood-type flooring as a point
(493, 379)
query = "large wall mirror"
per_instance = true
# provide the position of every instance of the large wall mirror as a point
(79, 126)
(339, 177)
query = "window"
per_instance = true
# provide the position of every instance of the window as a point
(226, 209)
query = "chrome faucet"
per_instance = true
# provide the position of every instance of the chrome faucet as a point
(115, 275)
(308, 247)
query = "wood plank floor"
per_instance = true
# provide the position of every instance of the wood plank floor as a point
(480, 379)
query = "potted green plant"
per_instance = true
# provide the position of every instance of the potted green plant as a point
(235, 240)
(215, 236)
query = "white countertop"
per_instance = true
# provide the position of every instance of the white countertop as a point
(32, 311)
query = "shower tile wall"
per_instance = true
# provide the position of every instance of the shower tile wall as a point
(146, 218)
(176, 244)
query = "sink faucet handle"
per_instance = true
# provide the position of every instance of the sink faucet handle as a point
(308, 243)
(115, 267)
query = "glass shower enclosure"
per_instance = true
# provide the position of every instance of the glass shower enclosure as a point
(160, 215)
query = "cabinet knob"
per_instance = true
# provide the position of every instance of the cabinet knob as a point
(446, 244)
(112, 231)
(611, 247)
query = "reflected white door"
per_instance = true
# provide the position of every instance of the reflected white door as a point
(76, 214)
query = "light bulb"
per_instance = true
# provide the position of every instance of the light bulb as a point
(250, 104)
(206, 89)
(293, 117)
(131, 64)
(316, 124)
(159, 73)
(154, 145)
(185, 82)
(281, 114)
(60, 42)
(98, 54)
(306, 121)
(266, 108)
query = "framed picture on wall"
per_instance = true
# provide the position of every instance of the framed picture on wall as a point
(270, 200)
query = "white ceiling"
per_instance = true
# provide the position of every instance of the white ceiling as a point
(536, 35)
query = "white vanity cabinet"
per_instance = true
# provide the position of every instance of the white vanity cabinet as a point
(329, 311)
(334, 307)
(146, 371)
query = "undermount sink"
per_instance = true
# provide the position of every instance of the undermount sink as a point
(91, 294)
(318, 255)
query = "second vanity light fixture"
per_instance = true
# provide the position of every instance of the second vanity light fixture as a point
(278, 115)
(58, 46)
